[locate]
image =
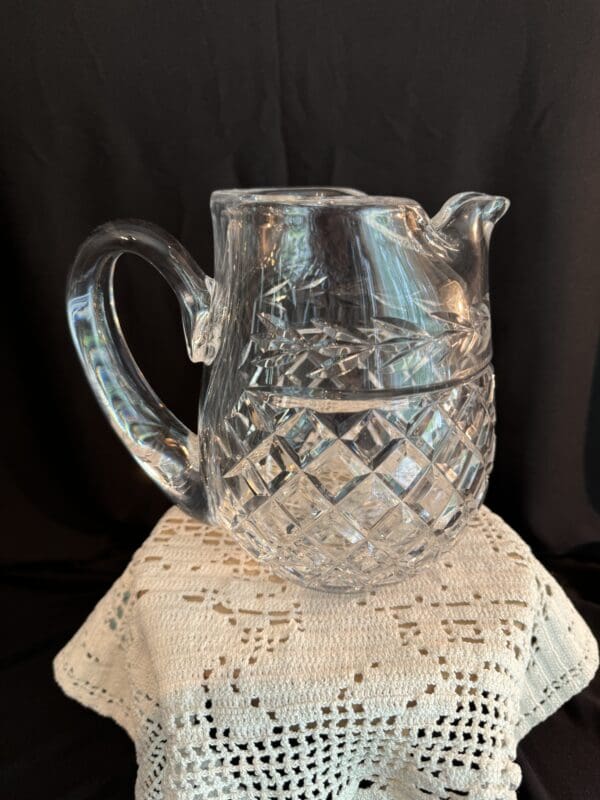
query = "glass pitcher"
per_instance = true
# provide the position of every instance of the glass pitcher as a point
(346, 433)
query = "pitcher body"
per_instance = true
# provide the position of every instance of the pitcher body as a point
(346, 433)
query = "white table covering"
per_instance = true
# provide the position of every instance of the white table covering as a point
(234, 684)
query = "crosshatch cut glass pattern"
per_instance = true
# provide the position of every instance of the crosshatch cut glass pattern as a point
(347, 428)
(354, 499)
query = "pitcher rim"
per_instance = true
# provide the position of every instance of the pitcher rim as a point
(311, 197)
(295, 193)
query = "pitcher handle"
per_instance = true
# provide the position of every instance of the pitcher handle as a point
(161, 444)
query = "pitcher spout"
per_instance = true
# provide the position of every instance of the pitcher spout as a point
(471, 216)
(465, 224)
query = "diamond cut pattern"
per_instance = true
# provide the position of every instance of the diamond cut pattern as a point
(370, 435)
(335, 533)
(337, 471)
(272, 520)
(402, 467)
(398, 527)
(351, 501)
(430, 429)
(368, 502)
(430, 495)
(307, 436)
(302, 500)
(273, 463)
(246, 486)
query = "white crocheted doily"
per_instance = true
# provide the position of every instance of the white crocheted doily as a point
(234, 684)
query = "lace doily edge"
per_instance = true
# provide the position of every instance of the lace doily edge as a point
(576, 683)
(93, 696)
(100, 700)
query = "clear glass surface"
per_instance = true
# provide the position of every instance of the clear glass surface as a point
(346, 429)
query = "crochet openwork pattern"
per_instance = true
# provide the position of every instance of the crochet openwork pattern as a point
(234, 684)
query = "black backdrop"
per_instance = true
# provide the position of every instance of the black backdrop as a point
(142, 108)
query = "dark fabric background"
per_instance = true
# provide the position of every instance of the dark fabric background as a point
(142, 108)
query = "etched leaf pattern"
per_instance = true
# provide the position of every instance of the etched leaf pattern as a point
(389, 351)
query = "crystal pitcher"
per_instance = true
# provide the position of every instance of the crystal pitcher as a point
(346, 433)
